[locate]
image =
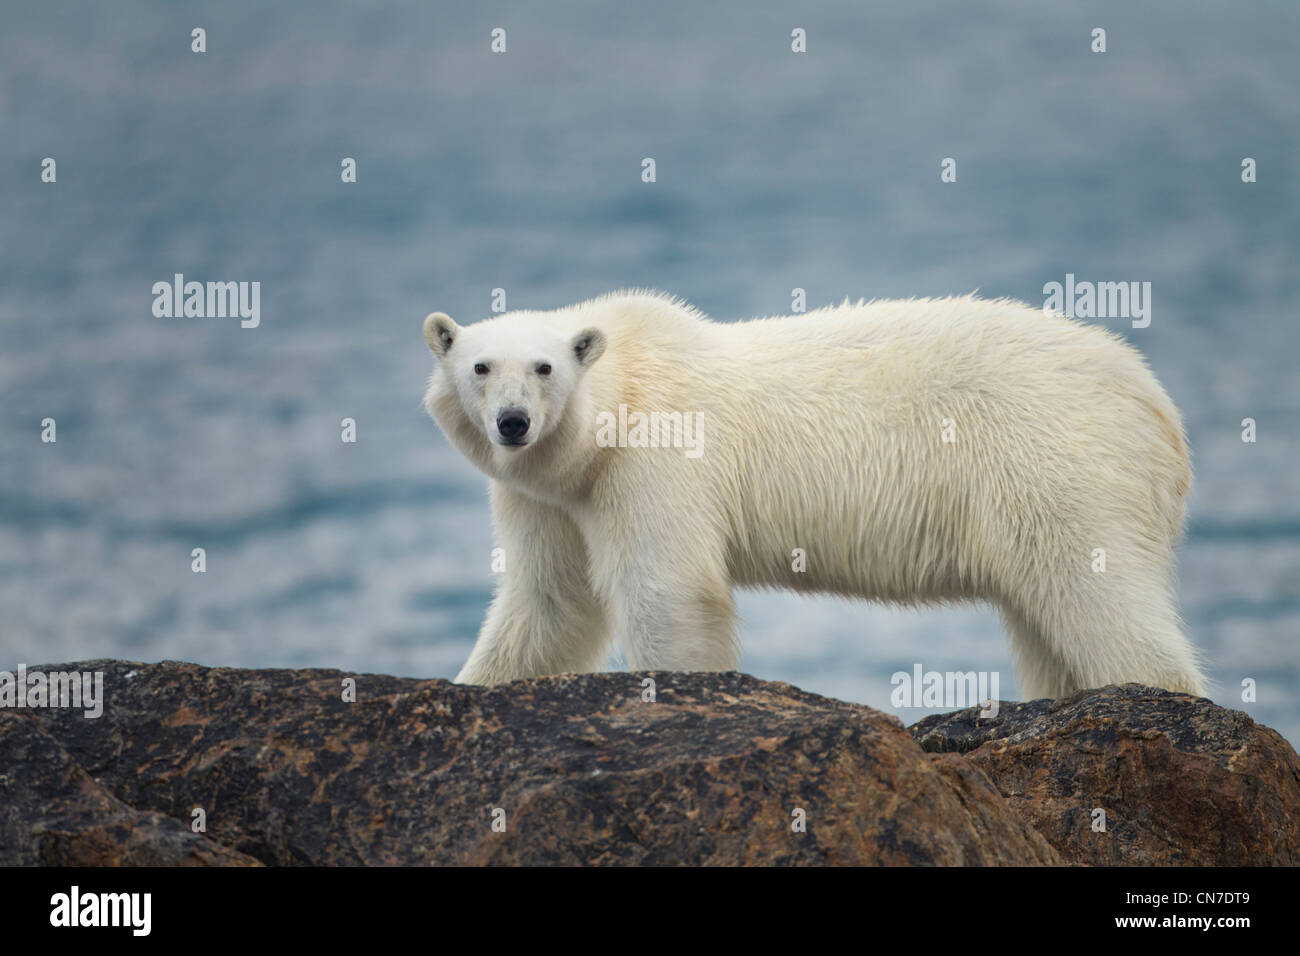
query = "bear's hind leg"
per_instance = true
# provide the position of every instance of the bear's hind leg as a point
(1039, 672)
(1089, 630)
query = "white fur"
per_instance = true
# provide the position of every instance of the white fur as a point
(824, 432)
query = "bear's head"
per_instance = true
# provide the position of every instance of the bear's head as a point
(509, 378)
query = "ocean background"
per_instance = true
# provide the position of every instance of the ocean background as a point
(522, 171)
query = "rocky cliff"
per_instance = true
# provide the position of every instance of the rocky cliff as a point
(285, 767)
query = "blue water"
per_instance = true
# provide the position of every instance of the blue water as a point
(522, 171)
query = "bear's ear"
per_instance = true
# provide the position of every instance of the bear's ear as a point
(588, 345)
(440, 331)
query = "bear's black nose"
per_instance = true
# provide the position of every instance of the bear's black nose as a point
(512, 423)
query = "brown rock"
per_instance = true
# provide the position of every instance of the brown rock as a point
(1182, 781)
(52, 813)
(587, 773)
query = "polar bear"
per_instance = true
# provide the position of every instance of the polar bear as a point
(645, 460)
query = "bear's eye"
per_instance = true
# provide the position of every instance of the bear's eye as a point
(480, 369)
(543, 369)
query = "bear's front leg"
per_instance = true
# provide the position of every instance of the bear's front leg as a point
(669, 601)
(544, 618)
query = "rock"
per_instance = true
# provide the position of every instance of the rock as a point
(1182, 781)
(585, 772)
(53, 814)
(711, 772)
